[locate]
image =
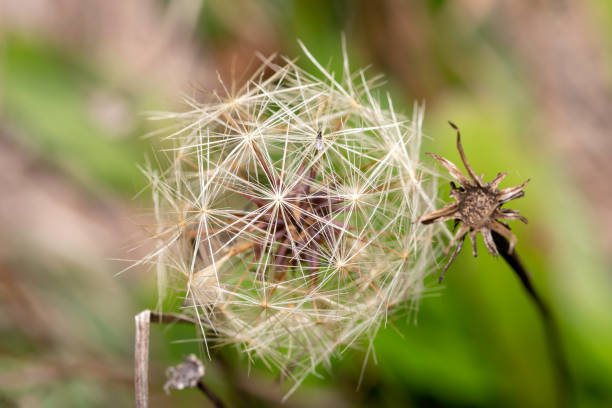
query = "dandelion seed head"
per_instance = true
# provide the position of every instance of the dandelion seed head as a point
(286, 215)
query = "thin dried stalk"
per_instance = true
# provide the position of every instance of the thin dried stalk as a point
(141, 358)
(168, 318)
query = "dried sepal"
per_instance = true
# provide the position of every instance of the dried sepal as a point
(477, 207)
(184, 375)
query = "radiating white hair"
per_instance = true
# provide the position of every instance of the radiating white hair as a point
(290, 284)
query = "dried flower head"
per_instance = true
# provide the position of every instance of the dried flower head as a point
(184, 375)
(477, 207)
(285, 215)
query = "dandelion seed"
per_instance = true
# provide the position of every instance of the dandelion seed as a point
(291, 254)
(319, 140)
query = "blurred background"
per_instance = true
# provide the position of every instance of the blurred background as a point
(529, 83)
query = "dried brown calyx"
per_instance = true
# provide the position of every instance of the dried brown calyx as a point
(477, 207)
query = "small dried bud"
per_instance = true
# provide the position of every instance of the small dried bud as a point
(184, 375)
(477, 207)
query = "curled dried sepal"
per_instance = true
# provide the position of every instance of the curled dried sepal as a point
(477, 207)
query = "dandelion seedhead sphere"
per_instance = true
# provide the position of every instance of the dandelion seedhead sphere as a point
(286, 215)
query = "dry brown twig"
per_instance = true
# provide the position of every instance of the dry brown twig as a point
(141, 358)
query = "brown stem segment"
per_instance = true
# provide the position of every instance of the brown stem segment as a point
(548, 320)
(167, 318)
(141, 359)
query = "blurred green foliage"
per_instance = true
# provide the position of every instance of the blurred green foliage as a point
(46, 94)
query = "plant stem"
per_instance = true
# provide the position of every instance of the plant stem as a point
(211, 395)
(141, 359)
(167, 318)
(548, 320)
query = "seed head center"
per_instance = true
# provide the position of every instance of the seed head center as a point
(476, 205)
(278, 198)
